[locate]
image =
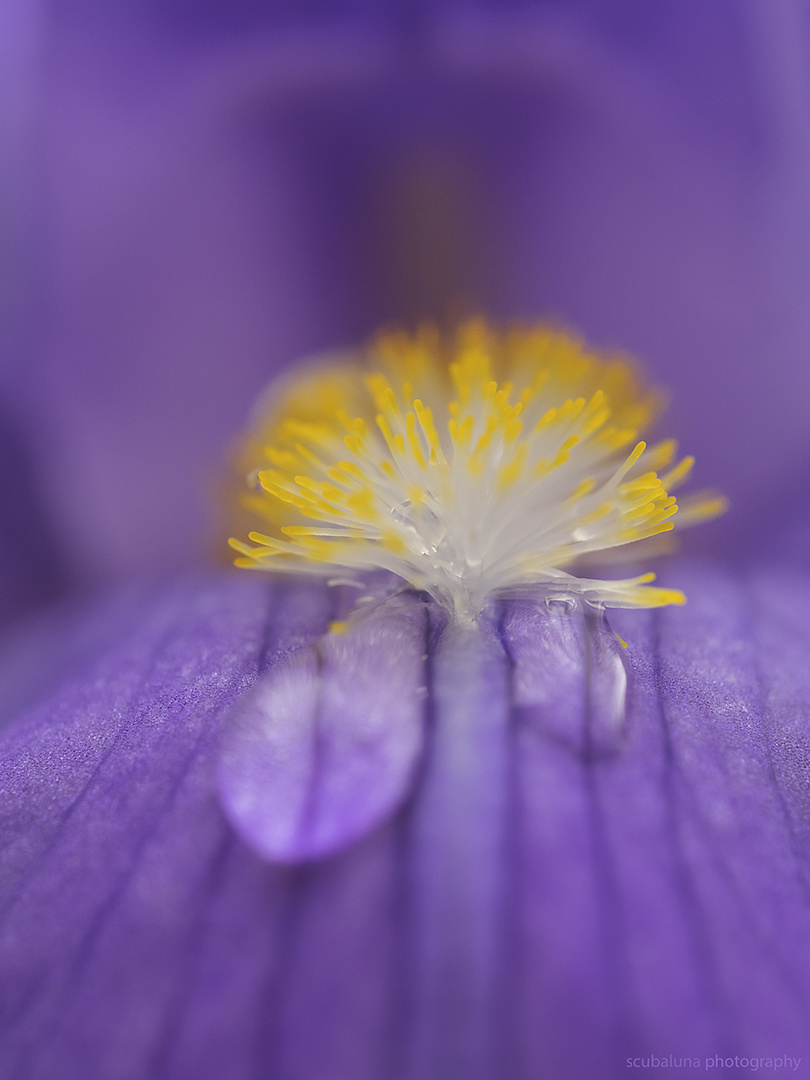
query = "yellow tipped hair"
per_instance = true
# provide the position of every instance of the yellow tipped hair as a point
(479, 465)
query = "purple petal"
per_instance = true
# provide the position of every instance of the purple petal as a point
(661, 896)
(653, 895)
(324, 747)
(31, 568)
(113, 843)
(458, 867)
(781, 638)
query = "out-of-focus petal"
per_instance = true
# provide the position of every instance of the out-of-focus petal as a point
(192, 248)
(325, 746)
(210, 208)
(31, 565)
(652, 197)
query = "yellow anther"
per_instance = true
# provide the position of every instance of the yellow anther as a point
(676, 476)
(597, 421)
(660, 455)
(461, 433)
(615, 438)
(696, 510)
(629, 462)
(260, 538)
(571, 409)
(413, 441)
(597, 514)
(387, 433)
(512, 431)
(425, 417)
(345, 469)
(511, 472)
(583, 489)
(319, 550)
(297, 429)
(643, 487)
(332, 493)
(362, 503)
(393, 543)
(277, 490)
(391, 403)
(282, 459)
(486, 437)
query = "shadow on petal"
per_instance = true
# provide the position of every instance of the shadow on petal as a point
(569, 682)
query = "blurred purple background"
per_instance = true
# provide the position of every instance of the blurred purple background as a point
(196, 194)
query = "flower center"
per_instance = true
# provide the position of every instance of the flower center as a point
(488, 464)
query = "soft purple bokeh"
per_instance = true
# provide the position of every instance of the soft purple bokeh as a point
(205, 195)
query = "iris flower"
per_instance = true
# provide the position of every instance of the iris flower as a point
(466, 858)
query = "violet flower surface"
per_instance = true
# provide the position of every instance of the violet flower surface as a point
(649, 888)
(198, 197)
(201, 197)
